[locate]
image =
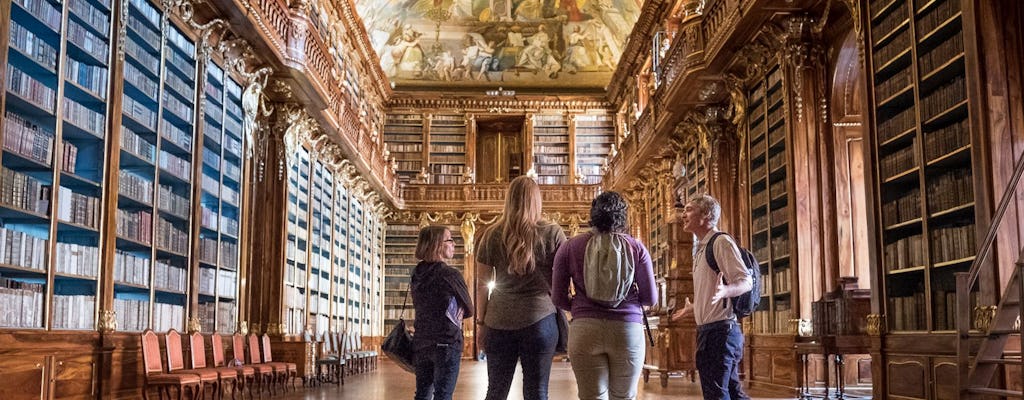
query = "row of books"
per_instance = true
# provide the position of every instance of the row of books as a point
(224, 319)
(953, 243)
(951, 189)
(902, 209)
(894, 84)
(78, 208)
(142, 55)
(135, 187)
(944, 309)
(170, 238)
(22, 249)
(131, 315)
(224, 281)
(23, 192)
(44, 11)
(84, 117)
(33, 46)
(69, 158)
(936, 16)
(168, 316)
(131, 269)
(898, 124)
(138, 112)
(941, 54)
(763, 323)
(893, 20)
(135, 225)
(170, 277)
(944, 97)
(889, 51)
(87, 41)
(92, 16)
(28, 139)
(907, 252)
(899, 161)
(780, 281)
(946, 139)
(173, 203)
(78, 259)
(147, 11)
(75, 312)
(228, 255)
(27, 87)
(175, 134)
(21, 304)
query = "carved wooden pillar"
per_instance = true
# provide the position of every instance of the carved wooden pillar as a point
(812, 161)
(723, 164)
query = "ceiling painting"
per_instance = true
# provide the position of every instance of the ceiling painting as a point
(562, 44)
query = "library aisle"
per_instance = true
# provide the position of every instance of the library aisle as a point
(391, 382)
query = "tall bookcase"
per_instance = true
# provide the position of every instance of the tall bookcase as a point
(403, 134)
(318, 281)
(770, 200)
(55, 107)
(551, 148)
(220, 202)
(594, 135)
(447, 148)
(339, 257)
(400, 260)
(296, 242)
(923, 150)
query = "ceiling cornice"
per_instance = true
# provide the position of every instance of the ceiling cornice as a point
(639, 44)
(354, 23)
(502, 104)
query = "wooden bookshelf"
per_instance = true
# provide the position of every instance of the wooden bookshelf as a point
(551, 149)
(447, 148)
(404, 136)
(594, 135)
(770, 200)
(924, 158)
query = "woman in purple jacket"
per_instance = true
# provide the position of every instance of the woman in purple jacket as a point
(606, 340)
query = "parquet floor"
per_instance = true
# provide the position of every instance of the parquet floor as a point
(392, 383)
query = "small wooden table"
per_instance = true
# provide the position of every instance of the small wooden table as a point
(834, 347)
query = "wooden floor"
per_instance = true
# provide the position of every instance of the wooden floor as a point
(392, 383)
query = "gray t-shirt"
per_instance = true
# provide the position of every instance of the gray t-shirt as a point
(519, 301)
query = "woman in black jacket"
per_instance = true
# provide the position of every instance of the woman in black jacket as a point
(442, 301)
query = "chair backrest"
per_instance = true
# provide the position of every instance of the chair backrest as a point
(254, 350)
(238, 347)
(267, 356)
(198, 354)
(352, 342)
(175, 359)
(151, 352)
(325, 344)
(217, 347)
(359, 341)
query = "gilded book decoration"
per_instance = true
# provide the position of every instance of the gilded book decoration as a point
(570, 43)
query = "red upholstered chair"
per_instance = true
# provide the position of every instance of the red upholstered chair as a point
(292, 370)
(264, 373)
(155, 375)
(246, 374)
(225, 376)
(176, 362)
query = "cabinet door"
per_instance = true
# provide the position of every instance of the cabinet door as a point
(74, 377)
(23, 377)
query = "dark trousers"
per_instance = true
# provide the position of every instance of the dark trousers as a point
(534, 346)
(437, 369)
(719, 351)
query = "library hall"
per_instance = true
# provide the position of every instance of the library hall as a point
(204, 199)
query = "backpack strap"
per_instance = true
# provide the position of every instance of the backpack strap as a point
(709, 252)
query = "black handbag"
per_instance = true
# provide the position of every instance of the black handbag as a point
(398, 345)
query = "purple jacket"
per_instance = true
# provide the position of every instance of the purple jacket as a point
(569, 266)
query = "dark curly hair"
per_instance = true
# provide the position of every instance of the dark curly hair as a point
(608, 212)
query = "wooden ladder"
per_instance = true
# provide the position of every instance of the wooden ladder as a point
(975, 382)
(993, 354)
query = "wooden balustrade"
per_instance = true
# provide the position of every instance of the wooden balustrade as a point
(492, 195)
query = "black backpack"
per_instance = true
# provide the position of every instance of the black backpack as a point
(744, 304)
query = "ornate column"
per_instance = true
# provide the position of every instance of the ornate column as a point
(812, 159)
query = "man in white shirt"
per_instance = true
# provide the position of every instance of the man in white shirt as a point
(719, 338)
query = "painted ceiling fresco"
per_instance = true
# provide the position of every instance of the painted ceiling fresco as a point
(561, 44)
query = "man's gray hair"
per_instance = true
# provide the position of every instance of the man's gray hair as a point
(708, 207)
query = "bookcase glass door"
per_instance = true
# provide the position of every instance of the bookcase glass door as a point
(297, 241)
(551, 149)
(56, 87)
(594, 136)
(339, 275)
(447, 148)
(922, 144)
(403, 134)
(770, 200)
(400, 260)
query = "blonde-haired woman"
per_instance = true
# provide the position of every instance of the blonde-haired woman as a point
(442, 301)
(518, 319)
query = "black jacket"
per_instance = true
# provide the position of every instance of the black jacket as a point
(437, 291)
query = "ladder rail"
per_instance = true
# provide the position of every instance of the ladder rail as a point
(966, 280)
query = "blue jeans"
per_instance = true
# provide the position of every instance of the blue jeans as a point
(534, 346)
(437, 369)
(719, 351)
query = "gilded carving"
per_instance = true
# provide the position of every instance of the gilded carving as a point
(193, 325)
(107, 322)
(983, 317)
(874, 324)
(122, 31)
(468, 230)
(243, 328)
